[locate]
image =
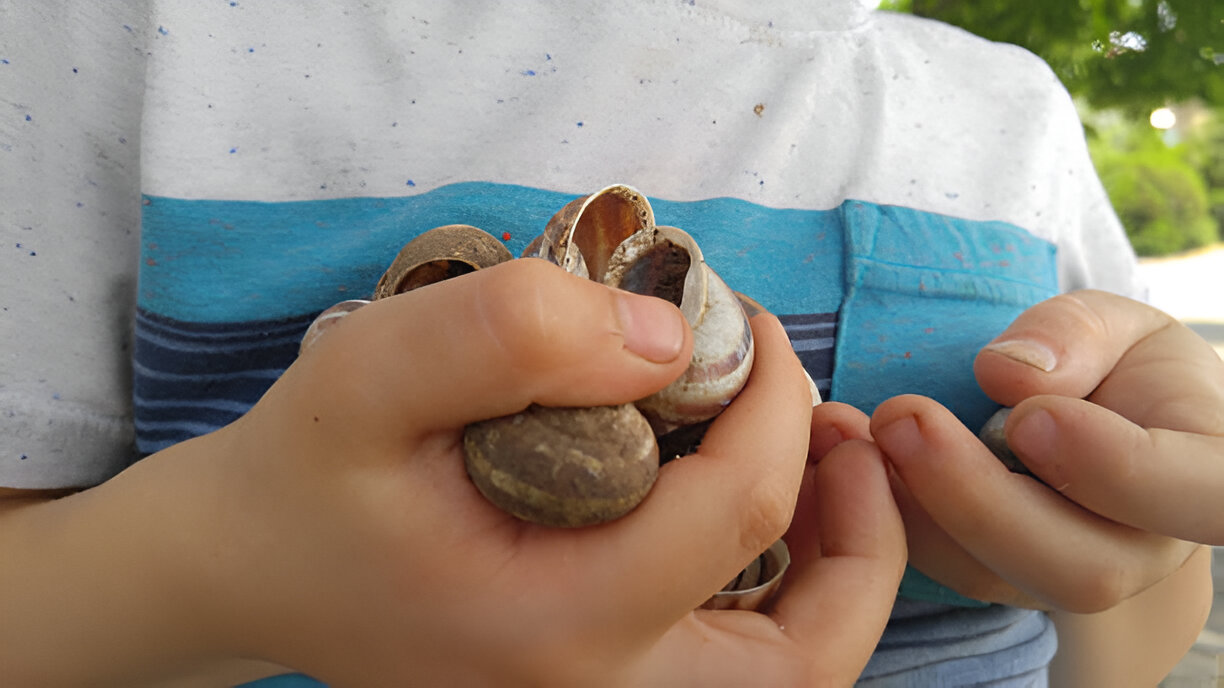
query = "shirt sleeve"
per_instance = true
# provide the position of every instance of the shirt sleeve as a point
(1094, 251)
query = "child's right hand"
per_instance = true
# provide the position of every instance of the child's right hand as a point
(345, 540)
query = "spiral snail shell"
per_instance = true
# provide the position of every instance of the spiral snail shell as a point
(649, 262)
(435, 255)
(611, 237)
(438, 254)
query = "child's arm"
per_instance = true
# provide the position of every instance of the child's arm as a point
(96, 588)
(333, 529)
(1139, 641)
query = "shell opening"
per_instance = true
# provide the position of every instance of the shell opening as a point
(433, 271)
(607, 219)
(660, 271)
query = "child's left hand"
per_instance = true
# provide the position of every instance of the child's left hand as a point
(1119, 409)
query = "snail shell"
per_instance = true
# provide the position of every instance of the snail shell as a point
(435, 255)
(565, 467)
(611, 237)
(582, 235)
(756, 584)
(667, 262)
(439, 254)
(326, 320)
(993, 437)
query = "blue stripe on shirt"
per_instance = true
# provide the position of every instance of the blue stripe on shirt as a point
(216, 261)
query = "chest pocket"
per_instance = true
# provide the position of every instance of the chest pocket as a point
(924, 293)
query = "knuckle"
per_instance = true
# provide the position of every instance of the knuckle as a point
(518, 314)
(767, 512)
(1081, 314)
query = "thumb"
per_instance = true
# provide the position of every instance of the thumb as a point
(1117, 407)
(490, 343)
(1065, 345)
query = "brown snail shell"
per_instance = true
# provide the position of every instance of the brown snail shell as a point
(582, 235)
(564, 467)
(434, 255)
(610, 236)
(666, 261)
(995, 440)
(327, 320)
(439, 254)
(756, 584)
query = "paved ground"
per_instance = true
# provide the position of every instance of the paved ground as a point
(1191, 288)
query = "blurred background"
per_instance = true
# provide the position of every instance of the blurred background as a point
(1148, 80)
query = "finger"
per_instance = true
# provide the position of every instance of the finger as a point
(712, 512)
(1046, 545)
(1130, 357)
(834, 603)
(940, 557)
(1143, 478)
(1162, 449)
(1065, 345)
(931, 549)
(848, 554)
(833, 423)
(490, 343)
(707, 649)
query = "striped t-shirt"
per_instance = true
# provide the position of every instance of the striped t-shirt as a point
(896, 190)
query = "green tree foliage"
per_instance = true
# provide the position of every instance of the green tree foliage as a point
(1205, 151)
(1121, 59)
(1160, 199)
(1134, 55)
(1158, 191)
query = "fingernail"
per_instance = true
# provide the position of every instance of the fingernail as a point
(1027, 352)
(1033, 437)
(902, 437)
(652, 328)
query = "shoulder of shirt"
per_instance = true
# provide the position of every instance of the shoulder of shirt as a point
(937, 37)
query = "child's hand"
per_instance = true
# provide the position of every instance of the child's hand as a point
(356, 549)
(1119, 409)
